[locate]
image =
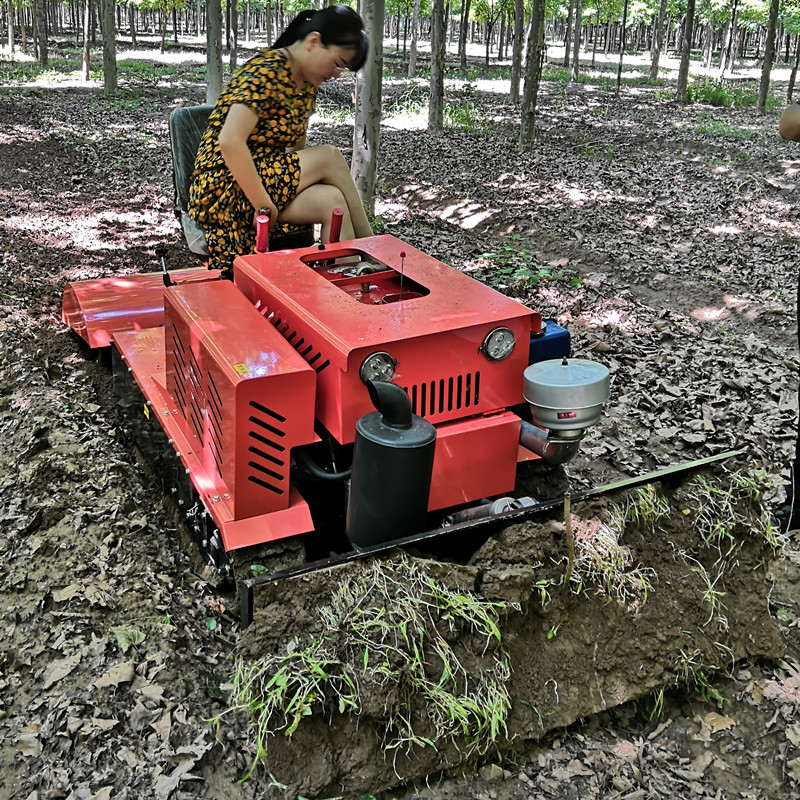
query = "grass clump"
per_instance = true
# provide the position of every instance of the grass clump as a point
(603, 561)
(645, 506)
(720, 509)
(723, 95)
(431, 653)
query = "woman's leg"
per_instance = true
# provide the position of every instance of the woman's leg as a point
(324, 164)
(316, 204)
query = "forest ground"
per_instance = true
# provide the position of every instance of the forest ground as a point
(664, 237)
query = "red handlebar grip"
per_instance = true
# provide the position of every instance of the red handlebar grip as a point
(262, 233)
(336, 225)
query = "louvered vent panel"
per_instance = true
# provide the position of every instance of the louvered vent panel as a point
(442, 396)
(308, 351)
(179, 352)
(268, 461)
(214, 412)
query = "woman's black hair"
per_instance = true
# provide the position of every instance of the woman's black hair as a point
(336, 25)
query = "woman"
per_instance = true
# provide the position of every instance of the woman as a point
(253, 154)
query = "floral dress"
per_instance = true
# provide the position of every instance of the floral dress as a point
(264, 84)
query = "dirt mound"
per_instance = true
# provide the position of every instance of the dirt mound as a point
(364, 677)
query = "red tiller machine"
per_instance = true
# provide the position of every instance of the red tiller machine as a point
(256, 397)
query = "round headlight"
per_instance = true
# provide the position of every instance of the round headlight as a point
(377, 367)
(498, 344)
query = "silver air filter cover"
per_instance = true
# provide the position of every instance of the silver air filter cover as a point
(566, 394)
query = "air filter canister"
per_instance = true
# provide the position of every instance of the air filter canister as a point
(566, 394)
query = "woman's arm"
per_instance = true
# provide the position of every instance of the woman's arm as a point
(239, 124)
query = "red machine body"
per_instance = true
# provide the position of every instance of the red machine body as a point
(237, 374)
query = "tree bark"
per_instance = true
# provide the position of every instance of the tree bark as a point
(727, 49)
(533, 76)
(87, 13)
(462, 35)
(568, 33)
(412, 58)
(213, 50)
(109, 47)
(686, 50)
(162, 15)
(41, 31)
(369, 89)
(576, 44)
(436, 104)
(234, 55)
(658, 41)
(132, 25)
(769, 56)
(622, 44)
(793, 76)
(516, 55)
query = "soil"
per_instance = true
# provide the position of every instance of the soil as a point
(681, 225)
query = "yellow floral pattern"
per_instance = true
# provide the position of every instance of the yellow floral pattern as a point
(264, 84)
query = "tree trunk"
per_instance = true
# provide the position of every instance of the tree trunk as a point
(622, 44)
(686, 50)
(22, 29)
(436, 103)
(175, 24)
(533, 76)
(462, 35)
(568, 33)
(708, 44)
(162, 15)
(41, 31)
(369, 89)
(213, 50)
(769, 55)
(727, 49)
(109, 47)
(10, 26)
(658, 41)
(793, 76)
(132, 25)
(412, 58)
(576, 45)
(234, 55)
(87, 13)
(516, 56)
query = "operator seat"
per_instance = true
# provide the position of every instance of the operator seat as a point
(186, 128)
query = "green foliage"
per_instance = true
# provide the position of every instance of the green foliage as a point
(707, 692)
(516, 263)
(651, 707)
(723, 95)
(645, 506)
(464, 116)
(412, 102)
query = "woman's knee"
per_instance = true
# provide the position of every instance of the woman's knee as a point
(329, 197)
(334, 161)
